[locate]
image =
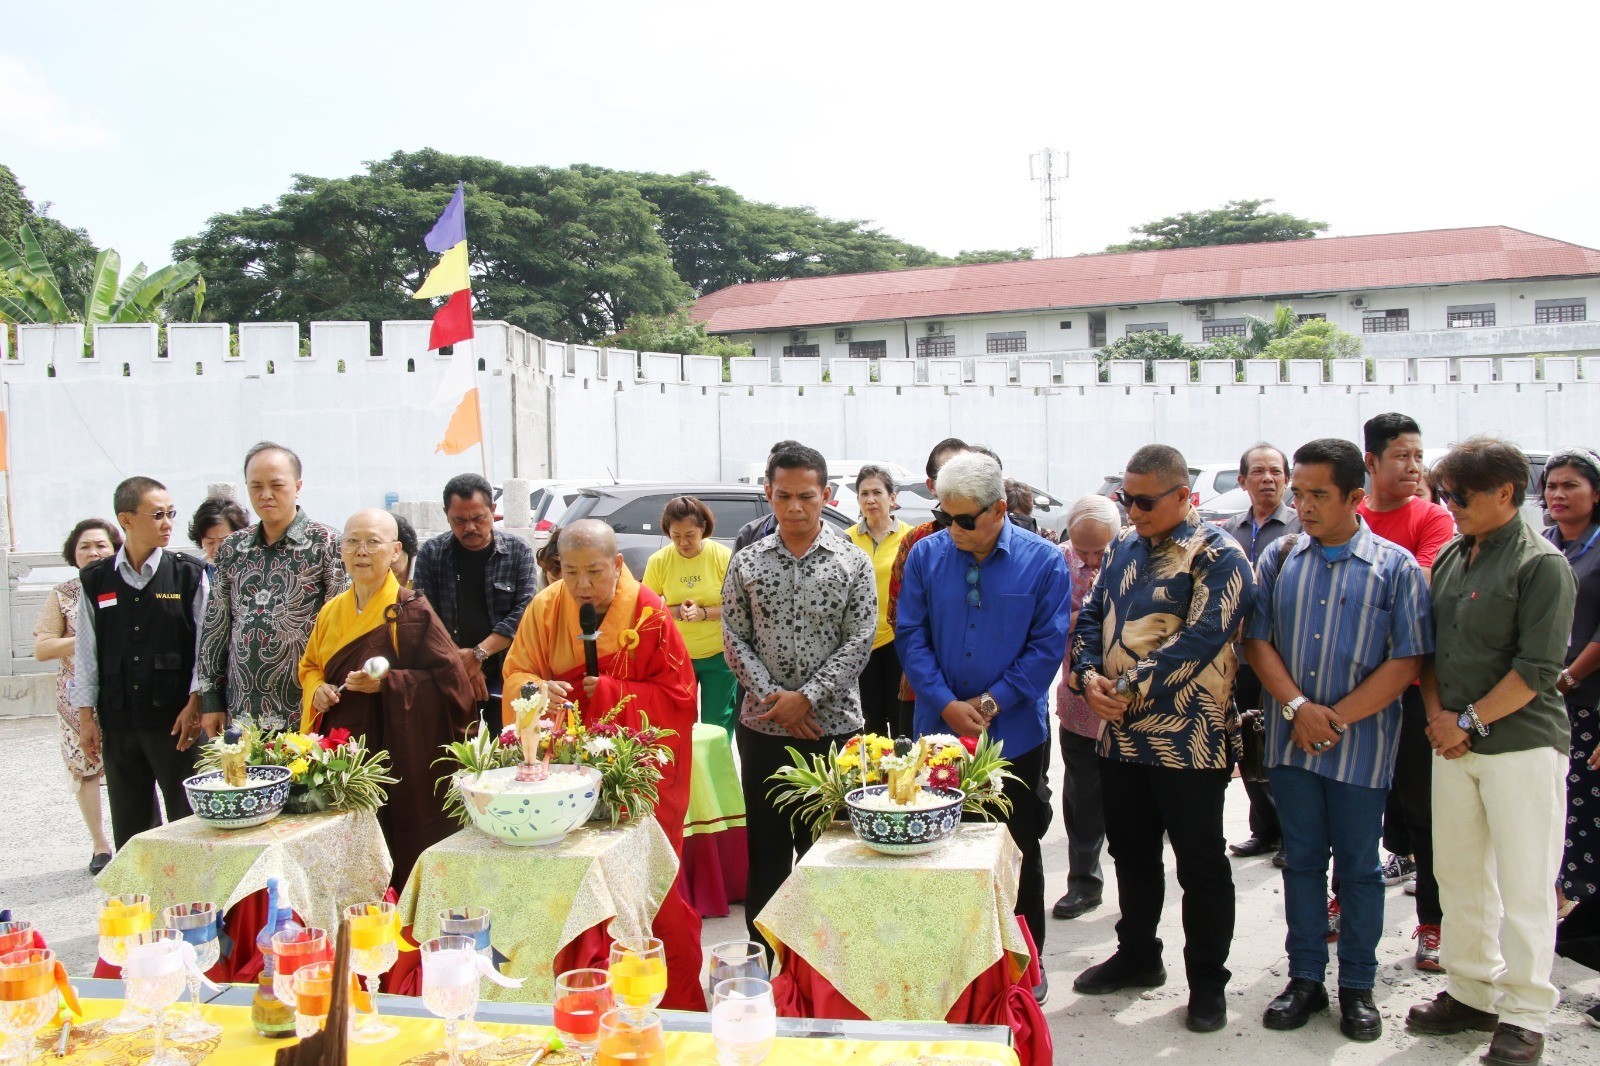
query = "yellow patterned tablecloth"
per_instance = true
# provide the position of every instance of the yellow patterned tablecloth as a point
(421, 1040)
(901, 937)
(323, 862)
(540, 899)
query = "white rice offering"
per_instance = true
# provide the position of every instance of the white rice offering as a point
(881, 801)
(558, 781)
(220, 784)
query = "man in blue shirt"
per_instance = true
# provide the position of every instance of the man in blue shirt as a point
(1339, 629)
(982, 626)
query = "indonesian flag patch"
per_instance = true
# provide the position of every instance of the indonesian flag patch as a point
(106, 599)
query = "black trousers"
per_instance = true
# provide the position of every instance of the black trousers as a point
(1029, 818)
(1263, 810)
(139, 761)
(1083, 813)
(880, 694)
(1143, 804)
(772, 841)
(1408, 816)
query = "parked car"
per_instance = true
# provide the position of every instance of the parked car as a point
(548, 500)
(634, 511)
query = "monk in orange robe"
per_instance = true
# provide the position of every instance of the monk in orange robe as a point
(640, 654)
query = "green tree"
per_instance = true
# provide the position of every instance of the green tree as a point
(1315, 339)
(676, 332)
(70, 251)
(140, 297)
(993, 255)
(1150, 347)
(1236, 222)
(1260, 332)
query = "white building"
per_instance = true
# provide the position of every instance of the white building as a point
(1487, 291)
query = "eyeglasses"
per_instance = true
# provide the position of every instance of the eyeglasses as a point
(1447, 497)
(463, 521)
(351, 544)
(968, 522)
(1146, 503)
(975, 593)
(170, 513)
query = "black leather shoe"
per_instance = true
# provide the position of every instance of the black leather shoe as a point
(1072, 905)
(1119, 972)
(1250, 847)
(1279, 859)
(1208, 1011)
(1295, 1005)
(1358, 1015)
(98, 862)
(1444, 1015)
(1041, 991)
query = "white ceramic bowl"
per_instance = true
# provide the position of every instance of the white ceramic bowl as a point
(528, 818)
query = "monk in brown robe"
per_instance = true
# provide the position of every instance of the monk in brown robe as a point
(423, 701)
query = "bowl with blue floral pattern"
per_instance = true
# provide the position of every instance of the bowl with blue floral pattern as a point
(885, 826)
(225, 806)
(530, 813)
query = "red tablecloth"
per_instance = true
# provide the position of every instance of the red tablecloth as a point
(715, 868)
(993, 999)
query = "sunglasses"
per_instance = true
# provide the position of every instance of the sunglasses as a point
(1146, 503)
(159, 515)
(968, 522)
(1447, 497)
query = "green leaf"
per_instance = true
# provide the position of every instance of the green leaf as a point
(23, 307)
(144, 302)
(131, 283)
(102, 287)
(10, 257)
(43, 288)
(199, 297)
(33, 256)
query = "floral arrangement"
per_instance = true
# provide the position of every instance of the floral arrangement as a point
(629, 760)
(335, 772)
(815, 788)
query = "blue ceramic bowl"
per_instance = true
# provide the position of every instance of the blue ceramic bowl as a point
(256, 802)
(904, 832)
(528, 818)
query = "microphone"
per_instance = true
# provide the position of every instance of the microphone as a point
(589, 622)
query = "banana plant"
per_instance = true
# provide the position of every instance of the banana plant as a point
(139, 297)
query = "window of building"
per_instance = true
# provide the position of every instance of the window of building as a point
(809, 351)
(1469, 316)
(1066, 324)
(1573, 309)
(936, 347)
(1311, 316)
(869, 349)
(1146, 327)
(1394, 320)
(1221, 327)
(1005, 342)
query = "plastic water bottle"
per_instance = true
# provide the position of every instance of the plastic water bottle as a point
(270, 1015)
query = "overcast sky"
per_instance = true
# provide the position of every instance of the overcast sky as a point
(138, 123)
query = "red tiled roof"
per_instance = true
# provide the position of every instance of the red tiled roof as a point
(1227, 272)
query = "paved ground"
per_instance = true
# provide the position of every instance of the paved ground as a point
(44, 851)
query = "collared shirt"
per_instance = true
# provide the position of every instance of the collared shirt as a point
(1334, 620)
(883, 554)
(1254, 536)
(1510, 610)
(86, 664)
(1168, 611)
(800, 625)
(1071, 707)
(510, 579)
(1583, 553)
(257, 624)
(1008, 643)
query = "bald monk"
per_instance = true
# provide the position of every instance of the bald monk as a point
(641, 654)
(424, 701)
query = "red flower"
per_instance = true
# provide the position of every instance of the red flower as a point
(335, 738)
(604, 729)
(970, 743)
(508, 737)
(944, 776)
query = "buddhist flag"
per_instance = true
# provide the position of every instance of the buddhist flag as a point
(452, 324)
(458, 390)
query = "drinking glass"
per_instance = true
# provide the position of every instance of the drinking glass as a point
(294, 948)
(27, 997)
(15, 936)
(121, 919)
(744, 1021)
(470, 922)
(450, 985)
(638, 973)
(373, 949)
(313, 995)
(735, 958)
(630, 1038)
(153, 976)
(197, 922)
(582, 996)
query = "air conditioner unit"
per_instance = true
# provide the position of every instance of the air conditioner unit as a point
(935, 329)
(1204, 311)
(841, 336)
(797, 336)
(1358, 301)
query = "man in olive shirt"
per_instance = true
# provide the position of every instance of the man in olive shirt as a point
(1503, 602)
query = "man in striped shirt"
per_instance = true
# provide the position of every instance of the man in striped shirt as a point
(1339, 628)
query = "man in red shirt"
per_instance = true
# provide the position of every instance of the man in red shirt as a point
(1395, 512)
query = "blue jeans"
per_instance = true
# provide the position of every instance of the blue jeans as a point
(1323, 817)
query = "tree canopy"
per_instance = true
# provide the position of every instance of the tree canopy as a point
(1236, 222)
(70, 251)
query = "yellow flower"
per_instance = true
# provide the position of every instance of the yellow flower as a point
(848, 760)
(299, 742)
(298, 768)
(628, 639)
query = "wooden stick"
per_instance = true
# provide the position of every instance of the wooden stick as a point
(331, 1047)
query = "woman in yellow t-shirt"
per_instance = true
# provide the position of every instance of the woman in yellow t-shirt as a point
(878, 534)
(688, 575)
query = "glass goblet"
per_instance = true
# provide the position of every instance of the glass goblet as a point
(450, 985)
(121, 919)
(630, 1038)
(313, 995)
(198, 924)
(744, 1021)
(470, 922)
(153, 976)
(292, 949)
(735, 958)
(582, 996)
(373, 949)
(15, 936)
(27, 997)
(638, 973)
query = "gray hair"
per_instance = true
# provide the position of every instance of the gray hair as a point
(1094, 508)
(971, 476)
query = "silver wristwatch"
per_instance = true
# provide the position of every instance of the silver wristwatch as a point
(1292, 706)
(1469, 722)
(1125, 684)
(477, 650)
